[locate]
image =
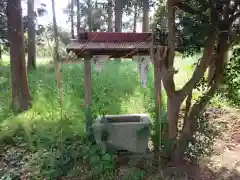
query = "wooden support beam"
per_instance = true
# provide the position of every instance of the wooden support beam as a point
(158, 96)
(88, 93)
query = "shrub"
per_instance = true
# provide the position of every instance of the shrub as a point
(231, 83)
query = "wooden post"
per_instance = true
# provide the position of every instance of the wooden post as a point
(158, 96)
(88, 93)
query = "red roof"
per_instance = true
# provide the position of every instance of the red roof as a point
(108, 45)
(115, 44)
(118, 37)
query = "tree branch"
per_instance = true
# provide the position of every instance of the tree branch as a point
(188, 105)
(202, 102)
(161, 56)
(187, 8)
(203, 64)
(167, 65)
(171, 33)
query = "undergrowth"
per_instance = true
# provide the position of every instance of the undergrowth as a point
(39, 144)
(52, 147)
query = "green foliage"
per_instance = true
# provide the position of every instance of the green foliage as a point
(194, 21)
(56, 147)
(231, 85)
(3, 21)
(45, 40)
(135, 174)
(204, 138)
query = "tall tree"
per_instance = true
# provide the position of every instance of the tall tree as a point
(110, 15)
(90, 20)
(31, 28)
(78, 17)
(20, 91)
(56, 56)
(135, 11)
(55, 35)
(72, 19)
(3, 22)
(118, 16)
(0, 51)
(145, 22)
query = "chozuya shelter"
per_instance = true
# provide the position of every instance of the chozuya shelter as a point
(100, 46)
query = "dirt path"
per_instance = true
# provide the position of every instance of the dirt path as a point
(226, 159)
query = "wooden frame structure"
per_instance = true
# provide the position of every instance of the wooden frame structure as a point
(116, 45)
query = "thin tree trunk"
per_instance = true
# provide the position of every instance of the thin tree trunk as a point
(110, 17)
(145, 25)
(20, 91)
(56, 35)
(57, 56)
(78, 17)
(135, 16)
(118, 16)
(118, 20)
(90, 21)
(72, 19)
(0, 51)
(31, 36)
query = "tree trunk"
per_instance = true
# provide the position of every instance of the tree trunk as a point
(135, 16)
(55, 34)
(90, 20)
(173, 110)
(20, 91)
(57, 56)
(210, 72)
(145, 25)
(110, 17)
(0, 51)
(78, 17)
(72, 19)
(118, 16)
(118, 20)
(190, 119)
(31, 36)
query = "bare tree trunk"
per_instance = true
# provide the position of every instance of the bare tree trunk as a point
(118, 20)
(20, 91)
(0, 51)
(56, 35)
(145, 25)
(118, 16)
(31, 36)
(78, 17)
(110, 17)
(135, 16)
(90, 21)
(72, 19)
